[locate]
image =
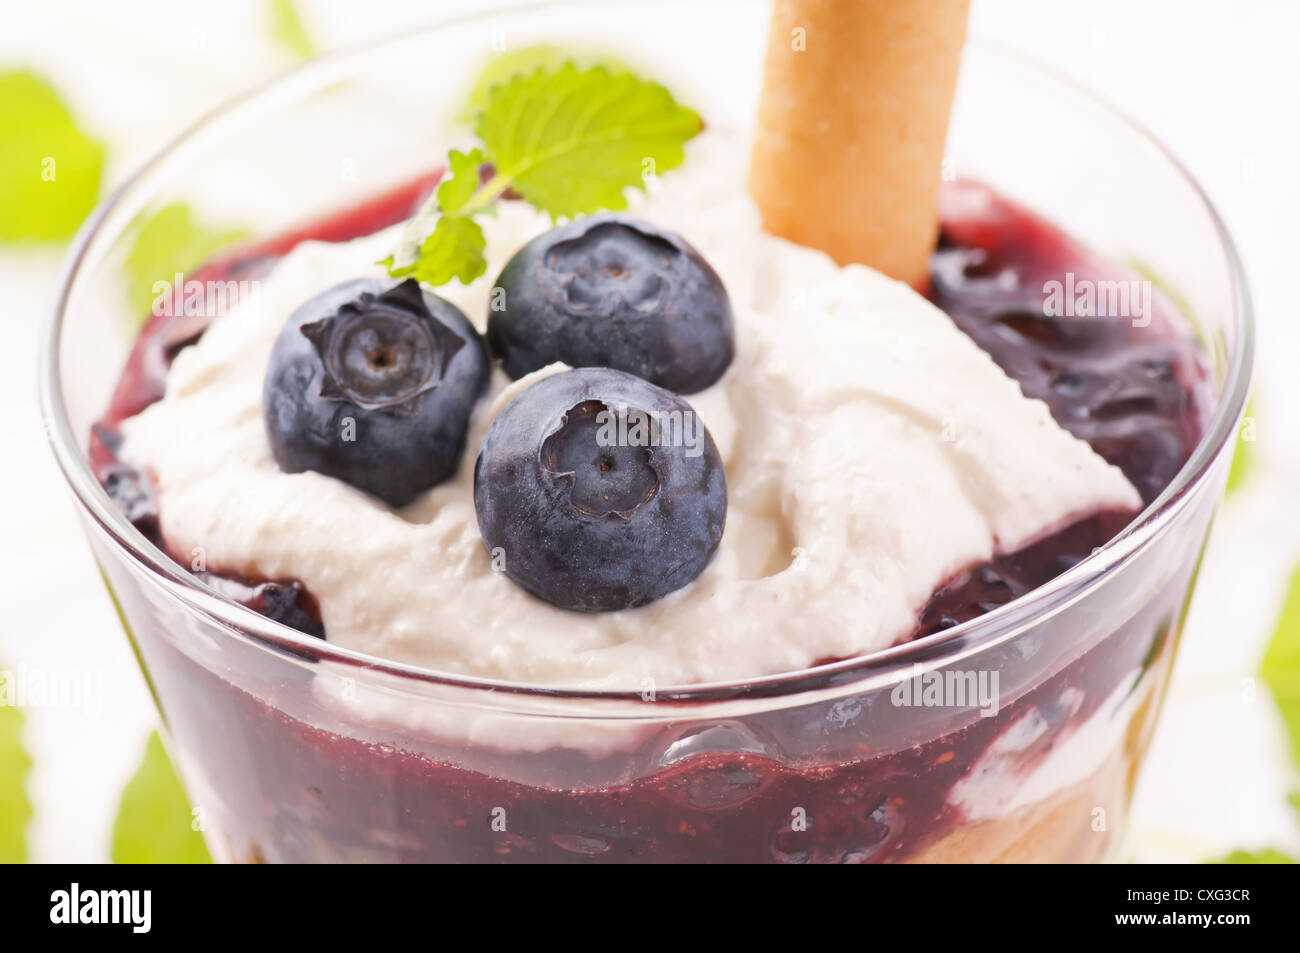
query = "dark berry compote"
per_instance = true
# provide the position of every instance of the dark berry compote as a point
(854, 779)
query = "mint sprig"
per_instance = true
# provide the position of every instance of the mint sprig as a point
(570, 141)
(454, 248)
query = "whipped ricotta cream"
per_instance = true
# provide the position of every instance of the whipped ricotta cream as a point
(872, 450)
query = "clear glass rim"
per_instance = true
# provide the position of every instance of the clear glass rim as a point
(976, 635)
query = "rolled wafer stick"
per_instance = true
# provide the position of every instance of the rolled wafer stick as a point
(848, 146)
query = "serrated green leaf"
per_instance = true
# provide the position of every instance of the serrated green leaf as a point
(460, 181)
(504, 66)
(526, 59)
(166, 242)
(454, 250)
(572, 140)
(287, 29)
(1280, 668)
(155, 824)
(1266, 855)
(15, 807)
(50, 169)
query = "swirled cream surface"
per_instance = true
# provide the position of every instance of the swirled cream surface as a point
(872, 451)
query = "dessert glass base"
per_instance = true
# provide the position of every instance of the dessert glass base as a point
(1011, 735)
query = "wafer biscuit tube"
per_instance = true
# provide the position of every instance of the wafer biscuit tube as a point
(849, 141)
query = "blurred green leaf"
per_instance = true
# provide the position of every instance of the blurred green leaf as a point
(15, 808)
(50, 170)
(1280, 670)
(1243, 454)
(1266, 855)
(166, 242)
(1281, 666)
(1175, 296)
(288, 30)
(155, 824)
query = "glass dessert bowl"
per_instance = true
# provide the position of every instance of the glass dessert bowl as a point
(1008, 725)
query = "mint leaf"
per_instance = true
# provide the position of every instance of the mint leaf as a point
(461, 180)
(50, 169)
(1266, 855)
(526, 59)
(155, 824)
(166, 242)
(454, 250)
(571, 141)
(1280, 668)
(15, 808)
(287, 29)
(503, 67)
(441, 241)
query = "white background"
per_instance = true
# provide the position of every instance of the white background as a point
(1219, 82)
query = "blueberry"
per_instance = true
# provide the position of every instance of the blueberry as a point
(133, 495)
(611, 291)
(599, 491)
(373, 383)
(287, 601)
